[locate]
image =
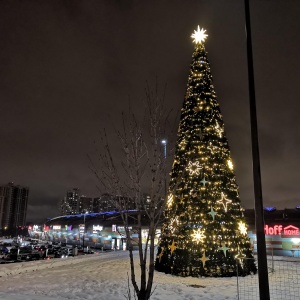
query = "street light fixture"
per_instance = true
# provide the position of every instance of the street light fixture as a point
(164, 143)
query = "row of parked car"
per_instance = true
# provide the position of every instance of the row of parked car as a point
(36, 251)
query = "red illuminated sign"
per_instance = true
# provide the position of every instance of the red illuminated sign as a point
(280, 230)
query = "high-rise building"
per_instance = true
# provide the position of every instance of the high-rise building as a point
(86, 204)
(70, 205)
(13, 205)
(103, 203)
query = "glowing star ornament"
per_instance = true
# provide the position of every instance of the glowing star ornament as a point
(204, 259)
(212, 213)
(194, 168)
(224, 201)
(199, 35)
(240, 257)
(242, 228)
(172, 247)
(198, 236)
(224, 249)
(204, 182)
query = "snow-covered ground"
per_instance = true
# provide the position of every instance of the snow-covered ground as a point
(104, 276)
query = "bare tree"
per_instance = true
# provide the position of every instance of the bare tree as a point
(138, 167)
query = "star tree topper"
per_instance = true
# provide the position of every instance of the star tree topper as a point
(199, 35)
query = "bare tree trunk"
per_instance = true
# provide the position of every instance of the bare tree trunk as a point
(141, 170)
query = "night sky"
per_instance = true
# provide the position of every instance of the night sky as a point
(69, 67)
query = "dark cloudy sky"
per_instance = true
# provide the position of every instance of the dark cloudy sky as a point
(65, 66)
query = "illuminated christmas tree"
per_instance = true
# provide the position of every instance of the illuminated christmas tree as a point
(204, 232)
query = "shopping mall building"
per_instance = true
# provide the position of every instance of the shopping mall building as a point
(282, 230)
(105, 230)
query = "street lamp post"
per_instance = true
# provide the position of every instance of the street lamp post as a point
(164, 143)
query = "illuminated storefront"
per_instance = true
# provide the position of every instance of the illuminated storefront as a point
(99, 230)
(106, 231)
(282, 231)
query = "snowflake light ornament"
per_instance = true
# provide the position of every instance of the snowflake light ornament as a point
(198, 235)
(242, 228)
(194, 168)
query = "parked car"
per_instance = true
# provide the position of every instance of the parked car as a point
(23, 253)
(62, 252)
(40, 249)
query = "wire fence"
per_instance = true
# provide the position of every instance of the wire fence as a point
(284, 280)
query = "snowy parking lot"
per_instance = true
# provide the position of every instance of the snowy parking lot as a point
(99, 276)
(103, 275)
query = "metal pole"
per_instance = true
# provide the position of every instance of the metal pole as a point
(263, 279)
(83, 233)
(237, 278)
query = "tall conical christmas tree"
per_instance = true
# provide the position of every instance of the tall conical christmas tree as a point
(204, 232)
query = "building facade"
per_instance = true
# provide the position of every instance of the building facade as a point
(70, 205)
(102, 204)
(106, 229)
(13, 205)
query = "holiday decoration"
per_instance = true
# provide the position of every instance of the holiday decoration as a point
(204, 259)
(194, 168)
(224, 201)
(204, 232)
(172, 247)
(204, 182)
(212, 213)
